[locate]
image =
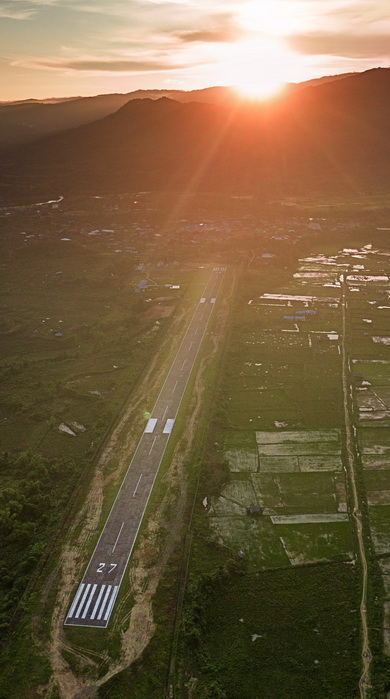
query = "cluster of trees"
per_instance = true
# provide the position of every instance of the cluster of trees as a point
(32, 502)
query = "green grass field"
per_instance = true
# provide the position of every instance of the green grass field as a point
(281, 633)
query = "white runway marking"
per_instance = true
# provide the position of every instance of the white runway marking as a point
(98, 602)
(174, 388)
(202, 300)
(168, 426)
(153, 443)
(183, 365)
(165, 412)
(213, 300)
(85, 612)
(190, 346)
(151, 424)
(82, 601)
(76, 599)
(139, 481)
(101, 610)
(117, 538)
(111, 603)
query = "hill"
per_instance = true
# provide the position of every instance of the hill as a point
(327, 137)
(29, 120)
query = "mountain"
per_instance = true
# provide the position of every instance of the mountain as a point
(328, 137)
(29, 120)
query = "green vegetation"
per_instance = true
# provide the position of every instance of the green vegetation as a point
(34, 494)
(75, 338)
(284, 633)
(273, 440)
(276, 431)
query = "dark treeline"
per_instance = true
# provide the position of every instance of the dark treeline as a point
(32, 501)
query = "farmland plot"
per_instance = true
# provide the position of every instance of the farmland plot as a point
(298, 486)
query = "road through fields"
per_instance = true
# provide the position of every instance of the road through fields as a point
(350, 431)
(95, 597)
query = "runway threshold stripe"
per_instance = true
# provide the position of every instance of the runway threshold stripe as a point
(87, 606)
(97, 602)
(76, 616)
(101, 610)
(111, 603)
(76, 599)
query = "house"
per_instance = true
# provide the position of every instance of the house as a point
(254, 511)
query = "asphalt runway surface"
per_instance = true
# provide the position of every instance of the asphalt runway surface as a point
(95, 598)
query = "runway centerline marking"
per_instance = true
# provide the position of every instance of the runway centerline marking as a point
(165, 412)
(138, 482)
(117, 538)
(183, 365)
(174, 388)
(153, 443)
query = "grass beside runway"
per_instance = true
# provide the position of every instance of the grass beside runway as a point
(41, 621)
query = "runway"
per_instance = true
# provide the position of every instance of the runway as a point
(95, 597)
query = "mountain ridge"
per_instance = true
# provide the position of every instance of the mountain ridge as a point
(24, 121)
(330, 137)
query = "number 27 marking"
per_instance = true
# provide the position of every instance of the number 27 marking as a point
(103, 565)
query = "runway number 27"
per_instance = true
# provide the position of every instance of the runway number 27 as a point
(103, 565)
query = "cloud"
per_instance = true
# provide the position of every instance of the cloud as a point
(98, 65)
(223, 35)
(15, 14)
(24, 9)
(11, 10)
(214, 28)
(341, 44)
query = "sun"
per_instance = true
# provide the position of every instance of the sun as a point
(259, 70)
(262, 90)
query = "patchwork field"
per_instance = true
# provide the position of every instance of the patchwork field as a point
(285, 501)
(278, 446)
(301, 329)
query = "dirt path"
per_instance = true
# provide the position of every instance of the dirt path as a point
(364, 682)
(155, 546)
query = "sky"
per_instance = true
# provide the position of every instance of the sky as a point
(59, 48)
